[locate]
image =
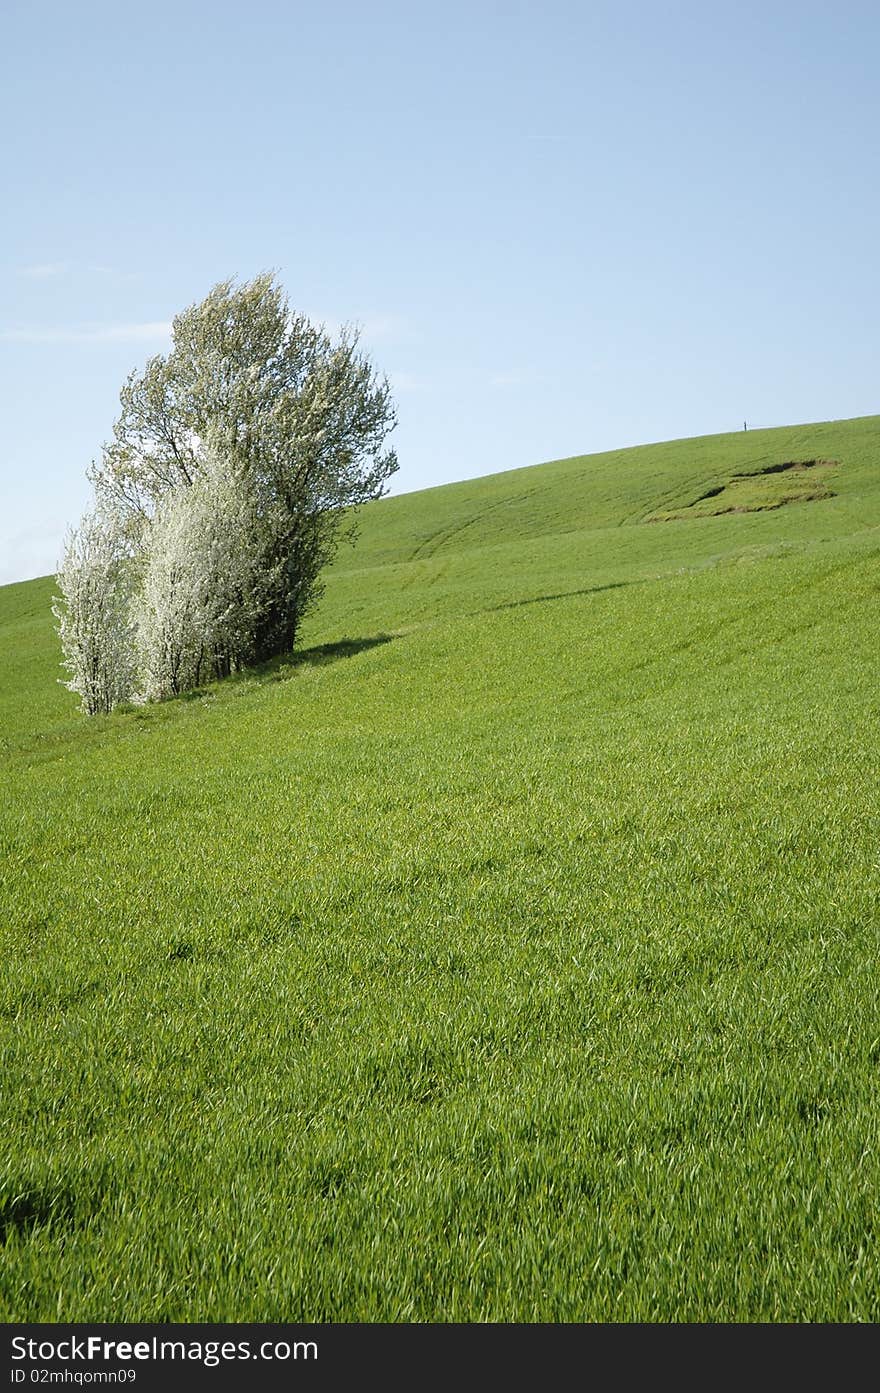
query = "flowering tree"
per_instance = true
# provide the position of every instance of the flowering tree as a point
(302, 418)
(236, 466)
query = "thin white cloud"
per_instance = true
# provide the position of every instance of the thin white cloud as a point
(43, 270)
(507, 379)
(46, 270)
(113, 272)
(150, 331)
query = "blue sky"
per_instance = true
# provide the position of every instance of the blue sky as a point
(562, 227)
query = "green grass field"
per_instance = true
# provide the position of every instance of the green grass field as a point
(509, 953)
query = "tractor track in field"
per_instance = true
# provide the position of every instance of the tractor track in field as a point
(438, 539)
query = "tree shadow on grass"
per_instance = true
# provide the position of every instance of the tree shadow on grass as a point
(565, 595)
(331, 652)
(286, 665)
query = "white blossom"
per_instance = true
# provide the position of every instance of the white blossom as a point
(93, 612)
(205, 582)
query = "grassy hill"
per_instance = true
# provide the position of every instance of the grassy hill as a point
(508, 953)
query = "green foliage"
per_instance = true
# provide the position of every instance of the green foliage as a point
(509, 954)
